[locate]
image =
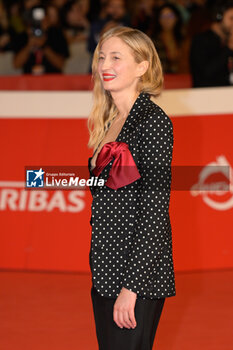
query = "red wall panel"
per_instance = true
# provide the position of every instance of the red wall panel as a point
(57, 237)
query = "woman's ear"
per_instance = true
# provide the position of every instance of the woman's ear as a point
(142, 67)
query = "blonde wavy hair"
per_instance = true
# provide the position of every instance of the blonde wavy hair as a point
(104, 109)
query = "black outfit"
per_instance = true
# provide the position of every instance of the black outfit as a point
(111, 337)
(55, 40)
(131, 243)
(209, 60)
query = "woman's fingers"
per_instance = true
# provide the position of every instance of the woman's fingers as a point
(124, 318)
(132, 318)
(123, 311)
(116, 318)
(121, 315)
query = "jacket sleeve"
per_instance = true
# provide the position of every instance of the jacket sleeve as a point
(151, 233)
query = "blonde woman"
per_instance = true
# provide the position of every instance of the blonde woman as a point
(131, 257)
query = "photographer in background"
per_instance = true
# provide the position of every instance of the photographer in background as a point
(41, 48)
(211, 54)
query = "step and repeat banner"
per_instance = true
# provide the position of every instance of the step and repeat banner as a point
(49, 229)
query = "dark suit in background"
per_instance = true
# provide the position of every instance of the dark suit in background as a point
(209, 60)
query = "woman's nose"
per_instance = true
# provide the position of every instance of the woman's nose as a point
(106, 63)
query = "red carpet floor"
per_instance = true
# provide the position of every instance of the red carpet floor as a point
(53, 311)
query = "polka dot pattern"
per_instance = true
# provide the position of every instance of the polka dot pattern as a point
(131, 244)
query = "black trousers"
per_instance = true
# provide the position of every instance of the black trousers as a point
(111, 337)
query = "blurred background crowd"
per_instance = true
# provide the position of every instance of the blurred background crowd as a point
(60, 36)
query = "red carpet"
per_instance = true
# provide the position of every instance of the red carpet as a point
(53, 311)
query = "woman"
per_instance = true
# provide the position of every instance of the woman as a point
(131, 247)
(169, 39)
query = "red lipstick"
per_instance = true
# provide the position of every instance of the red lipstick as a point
(108, 77)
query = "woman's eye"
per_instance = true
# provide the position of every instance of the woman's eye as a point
(115, 57)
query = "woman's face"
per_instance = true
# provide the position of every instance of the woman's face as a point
(116, 66)
(167, 19)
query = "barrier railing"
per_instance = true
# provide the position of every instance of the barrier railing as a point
(57, 82)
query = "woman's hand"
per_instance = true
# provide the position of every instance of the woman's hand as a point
(123, 311)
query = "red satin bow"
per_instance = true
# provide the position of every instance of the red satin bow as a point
(123, 171)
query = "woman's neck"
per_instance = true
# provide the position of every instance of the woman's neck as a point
(123, 103)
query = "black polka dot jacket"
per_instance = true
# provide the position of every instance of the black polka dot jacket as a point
(131, 241)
